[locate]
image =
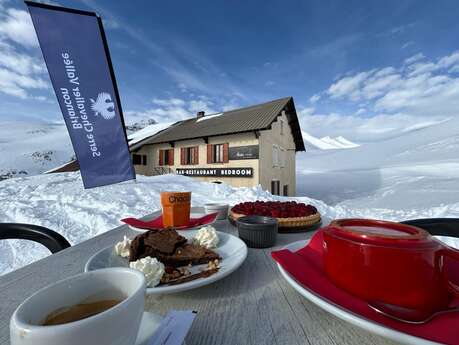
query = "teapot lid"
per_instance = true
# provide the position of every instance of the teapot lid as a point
(378, 232)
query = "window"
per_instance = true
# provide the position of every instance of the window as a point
(285, 190)
(217, 156)
(139, 159)
(281, 126)
(166, 157)
(189, 155)
(282, 156)
(275, 156)
(275, 187)
(217, 153)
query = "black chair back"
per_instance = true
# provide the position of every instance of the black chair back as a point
(50, 239)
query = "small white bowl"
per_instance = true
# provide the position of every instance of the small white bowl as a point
(222, 210)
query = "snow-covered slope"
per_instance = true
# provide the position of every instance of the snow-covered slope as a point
(327, 143)
(28, 148)
(31, 148)
(412, 175)
(59, 202)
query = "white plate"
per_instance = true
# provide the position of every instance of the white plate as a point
(231, 249)
(345, 314)
(192, 215)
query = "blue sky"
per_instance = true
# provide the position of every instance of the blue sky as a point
(348, 64)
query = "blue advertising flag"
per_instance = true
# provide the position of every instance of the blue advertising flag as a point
(76, 54)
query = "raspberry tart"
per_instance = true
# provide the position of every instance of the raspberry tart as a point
(289, 214)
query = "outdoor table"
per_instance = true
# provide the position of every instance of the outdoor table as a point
(253, 305)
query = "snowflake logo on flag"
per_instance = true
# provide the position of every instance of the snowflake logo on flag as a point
(103, 106)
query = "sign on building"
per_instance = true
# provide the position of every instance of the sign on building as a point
(216, 172)
(243, 152)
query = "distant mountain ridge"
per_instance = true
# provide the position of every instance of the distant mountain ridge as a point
(327, 143)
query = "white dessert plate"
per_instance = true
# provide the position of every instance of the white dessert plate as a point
(344, 314)
(231, 249)
(192, 215)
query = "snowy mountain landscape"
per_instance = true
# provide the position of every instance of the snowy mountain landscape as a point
(33, 147)
(326, 143)
(28, 148)
(414, 174)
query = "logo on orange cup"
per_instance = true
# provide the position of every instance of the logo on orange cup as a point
(176, 208)
(175, 199)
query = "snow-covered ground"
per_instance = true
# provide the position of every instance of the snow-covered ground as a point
(59, 202)
(33, 147)
(412, 174)
(30, 148)
(415, 174)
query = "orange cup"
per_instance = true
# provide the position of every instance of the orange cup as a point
(176, 208)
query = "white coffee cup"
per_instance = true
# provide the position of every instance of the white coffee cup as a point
(118, 325)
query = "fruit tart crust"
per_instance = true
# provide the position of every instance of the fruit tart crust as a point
(289, 222)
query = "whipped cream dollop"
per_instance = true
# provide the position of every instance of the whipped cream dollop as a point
(151, 268)
(206, 237)
(122, 248)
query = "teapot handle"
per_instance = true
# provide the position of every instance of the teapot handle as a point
(454, 255)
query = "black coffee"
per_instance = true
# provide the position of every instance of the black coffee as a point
(78, 312)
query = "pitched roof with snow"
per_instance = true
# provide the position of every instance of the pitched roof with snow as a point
(248, 119)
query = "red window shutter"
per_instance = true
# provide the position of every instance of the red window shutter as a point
(182, 156)
(161, 157)
(171, 157)
(225, 153)
(209, 153)
(196, 155)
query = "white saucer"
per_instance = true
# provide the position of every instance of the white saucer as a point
(231, 249)
(344, 314)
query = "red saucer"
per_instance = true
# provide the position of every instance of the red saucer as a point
(306, 266)
(157, 223)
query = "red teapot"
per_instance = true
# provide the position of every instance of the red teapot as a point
(389, 262)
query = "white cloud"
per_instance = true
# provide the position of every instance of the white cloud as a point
(200, 105)
(15, 84)
(421, 68)
(378, 85)
(17, 26)
(19, 63)
(172, 109)
(388, 100)
(306, 111)
(418, 88)
(169, 102)
(449, 60)
(314, 98)
(348, 86)
(407, 44)
(20, 72)
(414, 58)
(111, 24)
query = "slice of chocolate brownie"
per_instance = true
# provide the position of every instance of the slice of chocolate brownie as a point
(189, 254)
(155, 243)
